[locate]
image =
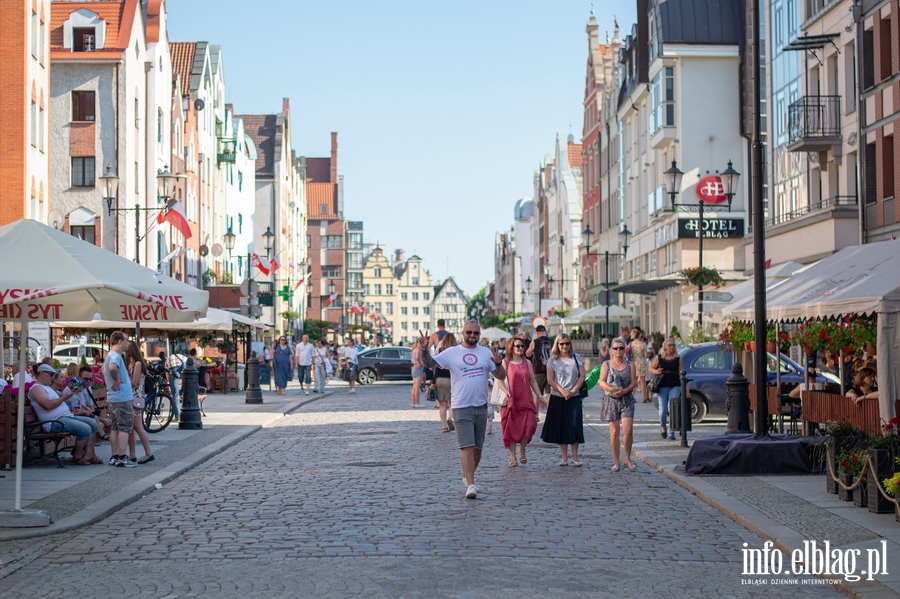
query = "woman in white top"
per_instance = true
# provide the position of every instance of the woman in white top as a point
(349, 356)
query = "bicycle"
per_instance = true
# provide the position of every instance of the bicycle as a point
(159, 408)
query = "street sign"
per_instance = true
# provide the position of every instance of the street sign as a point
(249, 287)
(717, 296)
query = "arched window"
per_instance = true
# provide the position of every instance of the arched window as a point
(159, 125)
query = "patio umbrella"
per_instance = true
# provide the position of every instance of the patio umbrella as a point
(597, 314)
(495, 333)
(51, 275)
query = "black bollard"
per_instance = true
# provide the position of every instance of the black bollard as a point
(737, 401)
(685, 408)
(190, 405)
(254, 393)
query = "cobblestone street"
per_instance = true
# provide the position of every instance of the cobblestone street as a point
(357, 495)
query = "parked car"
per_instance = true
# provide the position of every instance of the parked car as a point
(67, 353)
(709, 365)
(384, 363)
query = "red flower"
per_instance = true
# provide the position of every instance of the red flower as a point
(895, 420)
(822, 335)
(855, 458)
(845, 463)
(887, 426)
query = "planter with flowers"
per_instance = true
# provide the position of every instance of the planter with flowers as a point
(777, 340)
(738, 334)
(842, 436)
(812, 336)
(865, 333)
(702, 276)
(891, 488)
(98, 383)
(849, 467)
(881, 452)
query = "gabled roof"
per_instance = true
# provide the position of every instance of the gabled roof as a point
(183, 61)
(318, 170)
(700, 21)
(318, 195)
(576, 158)
(120, 17)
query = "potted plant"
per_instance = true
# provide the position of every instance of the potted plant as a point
(777, 340)
(812, 336)
(849, 467)
(892, 488)
(880, 453)
(702, 276)
(842, 436)
(866, 333)
(738, 334)
(209, 277)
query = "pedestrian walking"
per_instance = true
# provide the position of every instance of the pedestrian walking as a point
(438, 336)
(137, 369)
(669, 364)
(322, 365)
(603, 350)
(539, 352)
(518, 418)
(303, 354)
(349, 357)
(564, 425)
(119, 396)
(639, 359)
(469, 364)
(617, 379)
(418, 371)
(282, 355)
(442, 384)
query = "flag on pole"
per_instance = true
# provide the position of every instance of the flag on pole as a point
(355, 309)
(364, 308)
(276, 264)
(331, 299)
(262, 264)
(176, 217)
(300, 282)
(174, 254)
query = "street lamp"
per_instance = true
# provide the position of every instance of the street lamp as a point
(506, 299)
(269, 235)
(165, 182)
(728, 180)
(624, 234)
(540, 294)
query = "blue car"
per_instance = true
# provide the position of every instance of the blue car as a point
(709, 365)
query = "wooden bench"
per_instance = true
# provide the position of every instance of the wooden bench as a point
(36, 438)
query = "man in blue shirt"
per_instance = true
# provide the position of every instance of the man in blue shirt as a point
(118, 398)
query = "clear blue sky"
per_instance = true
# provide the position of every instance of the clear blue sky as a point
(443, 109)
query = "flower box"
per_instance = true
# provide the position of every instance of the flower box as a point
(845, 494)
(882, 468)
(860, 493)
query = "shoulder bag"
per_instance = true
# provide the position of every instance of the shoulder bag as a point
(498, 397)
(583, 391)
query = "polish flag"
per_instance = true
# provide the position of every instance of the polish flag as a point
(331, 299)
(262, 264)
(364, 308)
(300, 282)
(275, 264)
(176, 217)
(355, 309)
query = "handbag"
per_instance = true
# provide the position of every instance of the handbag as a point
(498, 397)
(583, 391)
(654, 383)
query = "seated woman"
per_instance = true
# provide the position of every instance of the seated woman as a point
(809, 385)
(864, 386)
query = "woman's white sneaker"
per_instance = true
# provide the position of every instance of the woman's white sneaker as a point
(471, 492)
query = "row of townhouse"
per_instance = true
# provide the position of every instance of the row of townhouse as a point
(677, 90)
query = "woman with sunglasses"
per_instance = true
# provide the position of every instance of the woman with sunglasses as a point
(564, 422)
(618, 380)
(518, 418)
(668, 363)
(282, 363)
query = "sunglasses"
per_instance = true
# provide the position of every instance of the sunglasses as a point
(618, 349)
(564, 344)
(472, 333)
(518, 346)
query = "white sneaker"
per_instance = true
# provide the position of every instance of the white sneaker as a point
(471, 492)
(307, 391)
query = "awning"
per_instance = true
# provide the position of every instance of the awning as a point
(648, 287)
(215, 320)
(597, 315)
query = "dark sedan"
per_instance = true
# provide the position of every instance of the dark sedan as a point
(384, 364)
(709, 365)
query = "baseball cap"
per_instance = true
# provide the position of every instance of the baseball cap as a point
(47, 368)
(540, 328)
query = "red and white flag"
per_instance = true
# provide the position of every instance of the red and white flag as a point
(264, 266)
(300, 282)
(364, 308)
(355, 308)
(176, 217)
(275, 264)
(331, 299)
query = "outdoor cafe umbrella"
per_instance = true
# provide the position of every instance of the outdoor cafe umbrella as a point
(597, 314)
(495, 333)
(51, 275)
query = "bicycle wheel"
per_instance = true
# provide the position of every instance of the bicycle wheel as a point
(158, 413)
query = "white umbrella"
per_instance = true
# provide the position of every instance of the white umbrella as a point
(495, 333)
(54, 276)
(215, 320)
(597, 314)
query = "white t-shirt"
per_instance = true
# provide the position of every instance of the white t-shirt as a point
(28, 379)
(304, 353)
(469, 369)
(349, 352)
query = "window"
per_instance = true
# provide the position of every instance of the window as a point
(403, 325)
(662, 97)
(83, 171)
(332, 242)
(426, 295)
(415, 324)
(377, 273)
(41, 128)
(415, 296)
(451, 294)
(83, 106)
(240, 181)
(137, 114)
(377, 289)
(389, 308)
(354, 260)
(137, 177)
(403, 297)
(41, 51)
(415, 311)
(389, 289)
(84, 39)
(355, 280)
(426, 310)
(415, 281)
(323, 209)
(332, 272)
(711, 360)
(354, 241)
(159, 125)
(404, 310)
(34, 123)
(85, 233)
(366, 289)
(377, 306)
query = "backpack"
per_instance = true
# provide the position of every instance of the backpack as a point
(541, 354)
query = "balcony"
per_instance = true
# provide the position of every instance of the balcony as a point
(828, 204)
(814, 123)
(226, 153)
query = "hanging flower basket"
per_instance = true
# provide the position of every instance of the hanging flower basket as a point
(702, 276)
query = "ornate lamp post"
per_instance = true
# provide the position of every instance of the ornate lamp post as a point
(109, 183)
(624, 234)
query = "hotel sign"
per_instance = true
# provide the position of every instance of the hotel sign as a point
(713, 228)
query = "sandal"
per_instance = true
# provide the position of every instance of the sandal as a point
(522, 458)
(445, 430)
(631, 467)
(615, 468)
(81, 461)
(512, 463)
(94, 460)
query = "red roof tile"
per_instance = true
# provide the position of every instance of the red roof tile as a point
(262, 130)
(575, 156)
(318, 195)
(119, 16)
(183, 61)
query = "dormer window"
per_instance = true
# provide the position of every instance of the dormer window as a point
(84, 39)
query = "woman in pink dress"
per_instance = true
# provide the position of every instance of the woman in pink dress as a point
(518, 418)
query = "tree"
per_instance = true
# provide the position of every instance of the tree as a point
(478, 306)
(316, 329)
